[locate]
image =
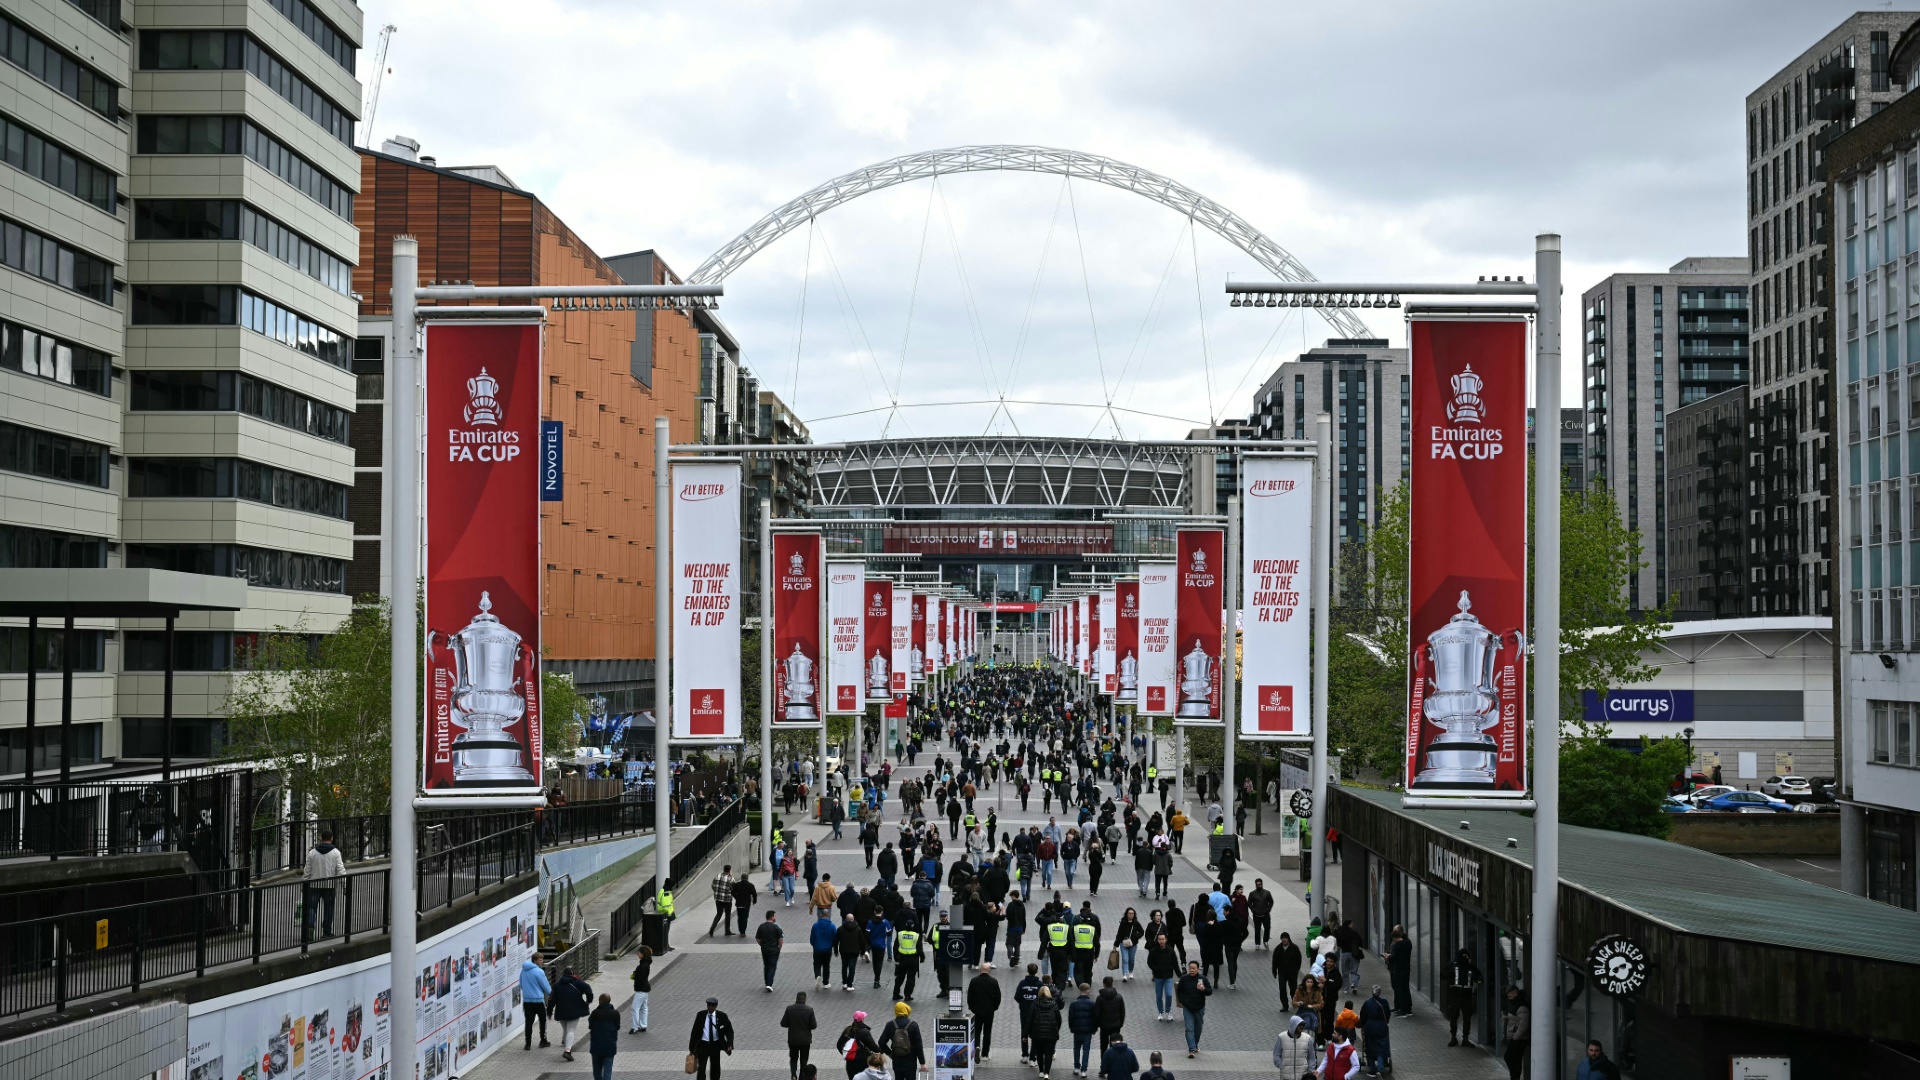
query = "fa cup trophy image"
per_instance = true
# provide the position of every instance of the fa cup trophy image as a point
(879, 680)
(1129, 678)
(488, 698)
(1196, 684)
(1462, 700)
(797, 699)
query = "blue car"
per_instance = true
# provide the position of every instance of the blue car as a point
(1674, 804)
(1747, 802)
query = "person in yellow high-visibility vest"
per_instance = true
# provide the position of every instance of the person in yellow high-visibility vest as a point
(906, 963)
(1057, 958)
(1086, 941)
(663, 903)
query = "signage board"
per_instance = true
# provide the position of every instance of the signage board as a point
(1199, 625)
(706, 600)
(553, 474)
(1276, 557)
(1126, 642)
(1158, 605)
(878, 643)
(1638, 706)
(900, 634)
(846, 590)
(797, 645)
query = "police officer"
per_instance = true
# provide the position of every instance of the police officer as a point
(1058, 950)
(935, 938)
(1086, 942)
(906, 963)
(663, 903)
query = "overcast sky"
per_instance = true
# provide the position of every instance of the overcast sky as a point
(1402, 140)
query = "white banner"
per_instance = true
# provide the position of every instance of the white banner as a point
(1276, 559)
(706, 600)
(1108, 680)
(902, 644)
(1158, 603)
(943, 635)
(846, 636)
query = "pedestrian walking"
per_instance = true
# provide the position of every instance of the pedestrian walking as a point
(1192, 994)
(1110, 1012)
(712, 1036)
(850, 941)
(572, 1001)
(642, 990)
(1286, 966)
(983, 1000)
(1516, 1022)
(534, 991)
(1164, 966)
(820, 936)
(1043, 1026)
(1157, 1069)
(1082, 1023)
(1260, 906)
(1118, 1061)
(856, 1044)
(902, 1043)
(1596, 1065)
(1342, 1061)
(820, 898)
(1351, 953)
(799, 1022)
(603, 1037)
(1462, 997)
(744, 897)
(722, 903)
(1376, 1015)
(769, 937)
(1400, 971)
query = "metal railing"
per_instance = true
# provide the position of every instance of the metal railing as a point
(626, 918)
(48, 962)
(93, 818)
(583, 957)
(283, 846)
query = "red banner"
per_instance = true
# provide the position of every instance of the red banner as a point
(1126, 641)
(797, 667)
(923, 659)
(1197, 623)
(1467, 594)
(483, 560)
(879, 640)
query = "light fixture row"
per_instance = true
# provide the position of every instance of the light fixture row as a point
(1316, 300)
(634, 303)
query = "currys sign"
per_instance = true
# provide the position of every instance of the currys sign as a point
(1645, 706)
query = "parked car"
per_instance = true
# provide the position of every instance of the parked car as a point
(1823, 789)
(1684, 786)
(1809, 807)
(1700, 795)
(1788, 787)
(1747, 802)
(1674, 804)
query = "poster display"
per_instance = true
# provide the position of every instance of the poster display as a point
(919, 657)
(335, 1024)
(1126, 642)
(877, 644)
(900, 637)
(1276, 557)
(706, 600)
(1083, 636)
(797, 596)
(846, 590)
(1158, 603)
(952, 1047)
(1466, 586)
(1198, 623)
(482, 708)
(1109, 676)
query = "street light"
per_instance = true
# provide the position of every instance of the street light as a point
(1686, 772)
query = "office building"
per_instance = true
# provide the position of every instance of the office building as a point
(1707, 507)
(1573, 446)
(177, 327)
(1214, 477)
(1792, 119)
(1653, 343)
(1362, 385)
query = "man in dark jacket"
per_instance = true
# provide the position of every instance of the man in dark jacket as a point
(572, 1001)
(603, 1037)
(1025, 993)
(1192, 994)
(744, 894)
(1286, 968)
(1400, 970)
(1118, 1061)
(712, 1036)
(1260, 906)
(902, 1033)
(1375, 1015)
(923, 893)
(770, 937)
(1082, 1022)
(1110, 1012)
(1462, 992)
(983, 1000)
(1164, 965)
(800, 1023)
(850, 941)
(887, 863)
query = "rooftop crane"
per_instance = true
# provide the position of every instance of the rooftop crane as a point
(372, 104)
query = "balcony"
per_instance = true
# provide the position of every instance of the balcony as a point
(1694, 351)
(1712, 326)
(1738, 303)
(1835, 73)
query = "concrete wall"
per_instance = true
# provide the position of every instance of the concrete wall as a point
(594, 865)
(1759, 834)
(130, 1044)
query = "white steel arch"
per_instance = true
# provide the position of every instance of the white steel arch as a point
(1073, 164)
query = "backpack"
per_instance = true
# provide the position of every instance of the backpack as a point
(787, 867)
(900, 1044)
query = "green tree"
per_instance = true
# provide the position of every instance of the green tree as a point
(562, 710)
(1367, 656)
(1603, 641)
(1605, 787)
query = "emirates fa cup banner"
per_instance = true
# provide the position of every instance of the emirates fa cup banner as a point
(1126, 642)
(878, 643)
(706, 600)
(796, 627)
(900, 634)
(936, 634)
(1276, 556)
(1198, 625)
(920, 657)
(482, 708)
(846, 664)
(1466, 587)
(1083, 636)
(1103, 626)
(1158, 604)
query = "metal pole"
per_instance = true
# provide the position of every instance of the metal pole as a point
(766, 680)
(404, 477)
(166, 711)
(1544, 948)
(1322, 641)
(66, 735)
(1229, 717)
(33, 700)
(663, 655)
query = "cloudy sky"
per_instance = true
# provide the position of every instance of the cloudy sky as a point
(1391, 139)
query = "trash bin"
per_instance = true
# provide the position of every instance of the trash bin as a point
(1306, 864)
(653, 932)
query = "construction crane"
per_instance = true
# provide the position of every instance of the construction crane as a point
(372, 104)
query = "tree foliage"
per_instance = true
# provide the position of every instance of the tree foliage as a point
(562, 710)
(1605, 787)
(1602, 639)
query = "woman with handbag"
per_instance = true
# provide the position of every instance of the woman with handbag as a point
(1096, 861)
(1126, 939)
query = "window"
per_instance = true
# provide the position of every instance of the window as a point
(231, 50)
(49, 162)
(52, 457)
(261, 567)
(231, 219)
(226, 305)
(31, 352)
(237, 135)
(89, 649)
(43, 60)
(193, 736)
(234, 478)
(85, 739)
(22, 547)
(105, 12)
(194, 650)
(233, 391)
(1880, 737)
(1904, 716)
(318, 30)
(55, 263)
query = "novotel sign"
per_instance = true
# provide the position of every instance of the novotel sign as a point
(1643, 706)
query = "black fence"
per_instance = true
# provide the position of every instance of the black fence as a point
(283, 846)
(48, 961)
(626, 917)
(196, 814)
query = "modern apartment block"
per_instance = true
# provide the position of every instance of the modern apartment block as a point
(1573, 446)
(175, 290)
(1792, 118)
(1874, 210)
(1212, 478)
(1654, 343)
(1707, 506)
(1362, 385)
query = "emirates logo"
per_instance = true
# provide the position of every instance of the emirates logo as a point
(706, 701)
(1466, 406)
(483, 407)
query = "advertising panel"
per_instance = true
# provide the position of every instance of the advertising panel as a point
(877, 645)
(1466, 587)
(335, 1024)
(1198, 623)
(796, 627)
(846, 581)
(920, 657)
(706, 600)
(482, 709)
(1158, 603)
(1103, 626)
(1637, 706)
(1126, 642)
(1276, 554)
(900, 635)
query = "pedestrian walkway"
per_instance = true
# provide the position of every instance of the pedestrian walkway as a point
(1242, 1020)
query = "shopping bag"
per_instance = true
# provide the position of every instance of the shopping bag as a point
(1113, 960)
(693, 1066)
